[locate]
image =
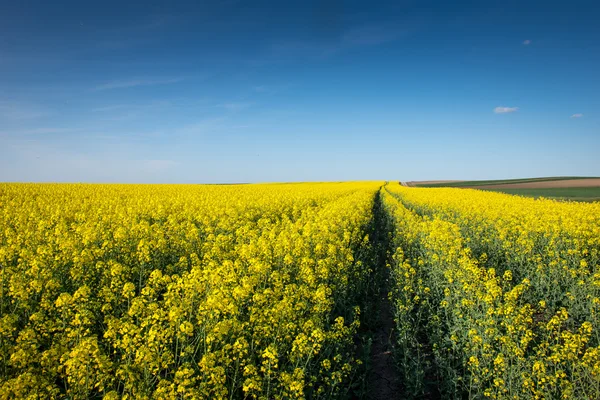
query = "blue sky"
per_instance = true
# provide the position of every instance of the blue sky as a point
(236, 91)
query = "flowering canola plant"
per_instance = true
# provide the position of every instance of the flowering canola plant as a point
(181, 291)
(495, 296)
(256, 291)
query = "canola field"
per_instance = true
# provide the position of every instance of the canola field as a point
(174, 291)
(264, 291)
(495, 296)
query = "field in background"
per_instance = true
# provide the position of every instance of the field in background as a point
(576, 188)
(468, 184)
(572, 193)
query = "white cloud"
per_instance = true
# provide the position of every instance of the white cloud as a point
(527, 42)
(123, 84)
(578, 115)
(504, 110)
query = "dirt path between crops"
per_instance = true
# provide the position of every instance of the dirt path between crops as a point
(383, 383)
(384, 378)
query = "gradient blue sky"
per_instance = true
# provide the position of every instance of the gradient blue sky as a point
(236, 91)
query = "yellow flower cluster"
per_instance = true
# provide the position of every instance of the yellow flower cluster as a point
(182, 291)
(496, 295)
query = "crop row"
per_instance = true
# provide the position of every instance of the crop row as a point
(259, 291)
(139, 291)
(495, 296)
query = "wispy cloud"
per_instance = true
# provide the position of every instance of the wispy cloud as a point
(134, 33)
(359, 35)
(271, 89)
(505, 110)
(17, 111)
(233, 106)
(50, 162)
(527, 42)
(112, 107)
(206, 128)
(201, 127)
(371, 35)
(35, 134)
(288, 50)
(578, 115)
(52, 135)
(123, 84)
(45, 131)
(126, 136)
(149, 106)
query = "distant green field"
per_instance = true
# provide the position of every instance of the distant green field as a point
(503, 181)
(575, 194)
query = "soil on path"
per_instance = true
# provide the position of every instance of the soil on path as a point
(384, 377)
(383, 380)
